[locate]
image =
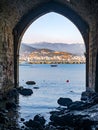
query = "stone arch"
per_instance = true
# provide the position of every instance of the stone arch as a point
(42, 9)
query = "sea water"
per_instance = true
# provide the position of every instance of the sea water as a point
(65, 80)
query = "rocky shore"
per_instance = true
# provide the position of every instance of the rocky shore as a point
(77, 115)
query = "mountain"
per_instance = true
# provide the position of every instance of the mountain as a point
(49, 53)
(77, 49)
(43, 50)
(56, 53)
(26, 49)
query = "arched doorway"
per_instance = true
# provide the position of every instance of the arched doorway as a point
(51, 82)
(41, 10)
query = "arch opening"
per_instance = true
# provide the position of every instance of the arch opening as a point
(34, 14)
(55, 81)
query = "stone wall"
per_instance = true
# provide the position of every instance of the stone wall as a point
(6, 56)
(93, 50)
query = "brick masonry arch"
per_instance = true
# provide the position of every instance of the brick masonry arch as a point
(29, 18)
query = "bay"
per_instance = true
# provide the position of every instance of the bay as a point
(52, 83)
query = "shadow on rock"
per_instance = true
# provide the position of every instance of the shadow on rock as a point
(37, 123)
(30, 82)
(25, 91)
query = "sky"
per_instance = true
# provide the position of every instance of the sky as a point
(53, 28)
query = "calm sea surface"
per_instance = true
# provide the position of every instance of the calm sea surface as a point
(52, 85)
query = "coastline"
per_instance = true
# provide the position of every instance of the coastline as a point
(74, 115)
(48, 62)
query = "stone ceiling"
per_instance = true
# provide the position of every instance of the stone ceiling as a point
(14, 10)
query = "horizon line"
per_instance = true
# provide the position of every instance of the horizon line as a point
(50, 43)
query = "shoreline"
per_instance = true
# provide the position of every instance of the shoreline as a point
(52, 63)
(73, 115)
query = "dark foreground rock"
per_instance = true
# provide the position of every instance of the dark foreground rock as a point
(72, 120)
(79, 105)
(8, 111)
(78, 115)
(30, 82)
(40, 119)
(25, 91)
(3, 118)
(33, 124)
(10, 105)
(64, 101)
(11, 94)
(88, 95)
(37, 123)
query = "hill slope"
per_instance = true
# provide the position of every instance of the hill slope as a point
(48, 53)
(26, 49)
(77, 49)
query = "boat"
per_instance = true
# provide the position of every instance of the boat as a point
(54, 65)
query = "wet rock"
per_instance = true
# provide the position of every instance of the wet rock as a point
(22, 127)
(25, 92)
(64, 101)
(13, 128)
(77, 105)
(95, 100)
(40, 119)
(28, 129)
(88, 95)
(12, 93)
(84, 123)
(62, 120)
(30, 82)
(22, 119)
(2, 110)
(10, 105)
(3, 118)
(34, 124)
(84, 96)
(50, 127)
(36, 87)
(56, 112)
(72, 120)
